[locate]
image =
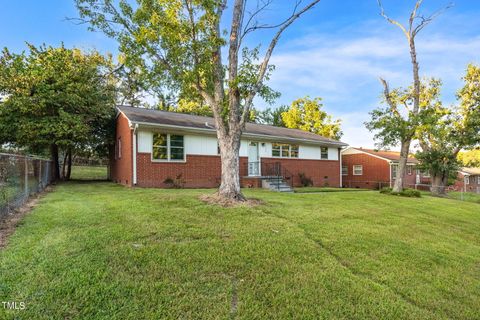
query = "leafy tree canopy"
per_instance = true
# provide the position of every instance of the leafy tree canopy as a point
(469, 158)
(56, 97)
(307, 114)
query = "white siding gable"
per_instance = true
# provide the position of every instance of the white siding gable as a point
(201, 145)
(145, 141)
(207, 145)
(309, 152)
(332, 154)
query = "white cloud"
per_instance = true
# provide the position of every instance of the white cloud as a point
(345, 71)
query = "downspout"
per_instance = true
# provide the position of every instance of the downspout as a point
(134, 152)
(390, 172)
(341, 172)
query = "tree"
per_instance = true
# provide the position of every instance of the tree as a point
(271, 116)
(469, 158)
(444, 131)
(306, 114)
(403, 132)
(58, 99)
(180, 42)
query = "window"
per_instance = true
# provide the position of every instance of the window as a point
(409, 170)
(344, 170)
(467, 179)
(283, 150)
(324, 153)
(394, 170)
(294, 151)
(168, 147)
(119, 148)
(357, 170)
(426, 173)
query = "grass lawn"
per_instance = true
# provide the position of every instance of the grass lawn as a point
(326, 189)
(89, 173)
(102, 251)
(467, 196)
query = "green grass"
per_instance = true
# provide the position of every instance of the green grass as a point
(8, 193)
(89, 173)
(102, 251)
(325, 189)
(467, 196)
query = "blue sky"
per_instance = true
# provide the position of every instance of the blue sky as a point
(337, 51)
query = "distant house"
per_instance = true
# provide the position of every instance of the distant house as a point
(468, 179)
(374, 169)
(153, 147)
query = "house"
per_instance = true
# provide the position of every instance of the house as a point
(468, 180)
(154, 146)
(375, 169)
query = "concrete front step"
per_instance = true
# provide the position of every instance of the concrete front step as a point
(276, 185)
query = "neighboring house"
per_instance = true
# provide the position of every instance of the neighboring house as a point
(152, 146)
(468, 179)
(374, 169)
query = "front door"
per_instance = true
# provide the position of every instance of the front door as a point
(253, 159)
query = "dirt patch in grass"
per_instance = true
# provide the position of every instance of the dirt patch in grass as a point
(11, 221)
(226, 203)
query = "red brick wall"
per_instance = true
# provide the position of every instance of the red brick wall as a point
(322, 172)
(122, 168)
(471, 187)
(375, 171)
(197, 171)
(205, 171)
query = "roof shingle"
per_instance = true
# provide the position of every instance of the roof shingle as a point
(157, 117)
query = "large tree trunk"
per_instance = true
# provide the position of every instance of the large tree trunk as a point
(230, 183)
(64, 164)
(439, 182)
(402, 165)
(69, 165)
(56, 165)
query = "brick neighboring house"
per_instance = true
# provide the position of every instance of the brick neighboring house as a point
(468, 179)
(374, 169)
(153, 145)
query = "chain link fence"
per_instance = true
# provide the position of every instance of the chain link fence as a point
(21, 177)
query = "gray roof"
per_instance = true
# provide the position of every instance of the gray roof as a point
(188, 121)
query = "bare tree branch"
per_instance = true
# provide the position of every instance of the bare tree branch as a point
(266, 60)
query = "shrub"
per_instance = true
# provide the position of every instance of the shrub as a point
(177, 183)
(411, 193)
(304, 180)
(386, 190)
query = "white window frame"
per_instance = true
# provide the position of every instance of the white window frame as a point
(467, 179)
(394, 170)
(168, 149)
(409, 170)
(354, 171)
(282, 145)
(345, 167)
(323, 153)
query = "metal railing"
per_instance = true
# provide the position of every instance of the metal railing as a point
(270, 170)
(20, 177)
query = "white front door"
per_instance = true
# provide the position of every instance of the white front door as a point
(253, 159)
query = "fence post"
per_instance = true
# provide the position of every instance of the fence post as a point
(26, 177)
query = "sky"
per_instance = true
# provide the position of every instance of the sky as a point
(337, 51)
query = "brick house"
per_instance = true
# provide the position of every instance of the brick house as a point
(468, 179)
(153, 146)
(374, 169)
